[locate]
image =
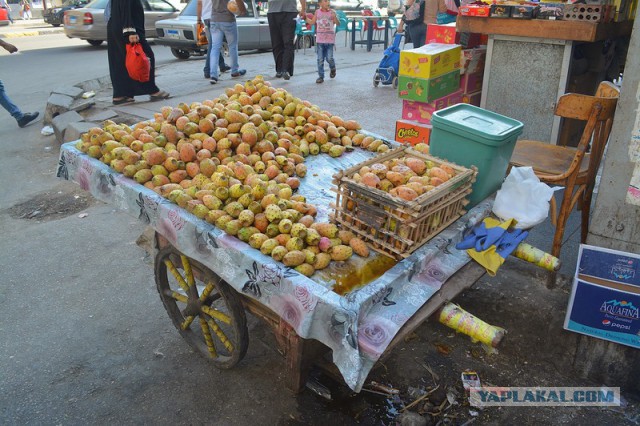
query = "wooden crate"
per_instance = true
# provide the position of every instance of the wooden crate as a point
(393, 226)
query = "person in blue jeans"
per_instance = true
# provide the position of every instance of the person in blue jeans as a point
(21, 117)
(324, 20)
(4, 4)
(223, 24)
(204, 14)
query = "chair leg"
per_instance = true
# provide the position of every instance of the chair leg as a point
(561, 221)
(586, 210)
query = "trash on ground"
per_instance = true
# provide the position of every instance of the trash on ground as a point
(83, 215)
(89, 94)
(462, 321)
(470, 379)
(46, 131)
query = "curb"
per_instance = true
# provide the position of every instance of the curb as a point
(31, 33)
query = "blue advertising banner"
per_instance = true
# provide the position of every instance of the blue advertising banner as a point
(605, 313)
(611, 265)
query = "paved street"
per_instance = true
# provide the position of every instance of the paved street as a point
(85, 337)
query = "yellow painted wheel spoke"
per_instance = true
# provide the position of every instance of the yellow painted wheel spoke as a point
(186, 265)
(176, 275)
(187, 322)
(216, 314)
(207, 291)
(207, 338)
(177, 296)
(223, 337)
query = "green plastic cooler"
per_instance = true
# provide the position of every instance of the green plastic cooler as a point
(470, 136)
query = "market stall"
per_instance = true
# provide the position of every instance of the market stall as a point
(530, 63)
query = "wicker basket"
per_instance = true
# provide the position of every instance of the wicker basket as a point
(393, 226)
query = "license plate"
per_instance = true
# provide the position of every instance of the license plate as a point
(72, 19)
(173, 33)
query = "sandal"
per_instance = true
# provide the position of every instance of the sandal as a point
(159, 96)
(123, 101)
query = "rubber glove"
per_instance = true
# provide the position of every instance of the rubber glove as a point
(509, 241)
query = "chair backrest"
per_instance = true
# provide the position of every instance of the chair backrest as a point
(598, 112)
(341, 15)
(342, 25)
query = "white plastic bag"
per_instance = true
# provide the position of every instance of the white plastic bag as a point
(523, 197)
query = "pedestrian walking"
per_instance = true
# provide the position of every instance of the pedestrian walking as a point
(324, 19)
(282, 27)
(413, 19)
(125, 24)
(223, 25)
(23, 118)
(204, 14)
(5, 5)
(26, 9)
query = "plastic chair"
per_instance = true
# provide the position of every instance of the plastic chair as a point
(573, 168)
(358, 24)
(304, 36)
(343, 26)
(379, 25)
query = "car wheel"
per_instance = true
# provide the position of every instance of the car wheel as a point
(56, 25)
(95, 42)
(180, 54)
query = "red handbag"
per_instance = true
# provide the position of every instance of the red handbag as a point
(137, 63)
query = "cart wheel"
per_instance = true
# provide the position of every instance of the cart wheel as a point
(395, 82)
(205, 309)
(376, 79)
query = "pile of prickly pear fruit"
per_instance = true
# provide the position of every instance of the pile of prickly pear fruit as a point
(405, 177)
(235, 161)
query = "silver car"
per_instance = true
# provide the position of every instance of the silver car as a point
(88, 23)
(180, 33)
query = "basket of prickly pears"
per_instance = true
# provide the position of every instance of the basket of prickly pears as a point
(399, 200)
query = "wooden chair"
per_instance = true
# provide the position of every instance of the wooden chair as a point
(573, 168)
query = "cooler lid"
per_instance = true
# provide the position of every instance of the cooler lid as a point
(481, 122)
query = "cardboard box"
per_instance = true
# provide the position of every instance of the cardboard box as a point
(551, 11)
(408, 131)
(430, 61)
(605, 299)
(428, 90)
(472, 98)
(447, 34)
(472, 60)
(475, 10)
(422, 112)
(471, 82)
(500, 11)
(523, 12)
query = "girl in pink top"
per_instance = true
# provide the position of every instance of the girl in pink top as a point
(324, 19)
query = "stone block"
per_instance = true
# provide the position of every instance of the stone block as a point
(75, 129)
(102, 115)
(82, 104)
(62, 121)
(72, 91)
(57, 104)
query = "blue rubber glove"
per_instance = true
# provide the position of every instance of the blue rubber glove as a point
(481, 238)
(509, 241)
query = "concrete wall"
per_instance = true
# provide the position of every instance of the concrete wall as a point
(615, 222)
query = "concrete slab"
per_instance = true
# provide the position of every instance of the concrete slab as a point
(72, 91)
(82, 104)
(75, 129)
(102, 115)
(57, 104)
(61, 121)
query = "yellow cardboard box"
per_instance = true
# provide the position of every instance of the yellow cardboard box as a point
(429, 61)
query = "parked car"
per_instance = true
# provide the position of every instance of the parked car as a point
(88, 22)
(179, 34)
(344, 5)
(54, 16)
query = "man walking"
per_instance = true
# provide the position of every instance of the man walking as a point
(282, 27)
(224, 26)
(22, 118)
(204, 14)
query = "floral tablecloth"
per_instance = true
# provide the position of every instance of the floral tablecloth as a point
(358, 326)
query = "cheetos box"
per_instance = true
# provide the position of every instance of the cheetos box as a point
(421, 112)
(409, 131)
(429, 61)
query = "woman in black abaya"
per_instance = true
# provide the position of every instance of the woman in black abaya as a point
(126, 25)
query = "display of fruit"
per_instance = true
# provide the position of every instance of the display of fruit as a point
(236, 162)
(406, 178)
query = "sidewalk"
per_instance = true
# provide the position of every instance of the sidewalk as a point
(26, 28)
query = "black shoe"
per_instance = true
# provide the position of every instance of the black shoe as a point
(213, 80)
(207, 76)
(286, 75)
(28, 118)
(279, 74)
(238, 73)
(320, 80)
(333, 73)
(225, 69)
